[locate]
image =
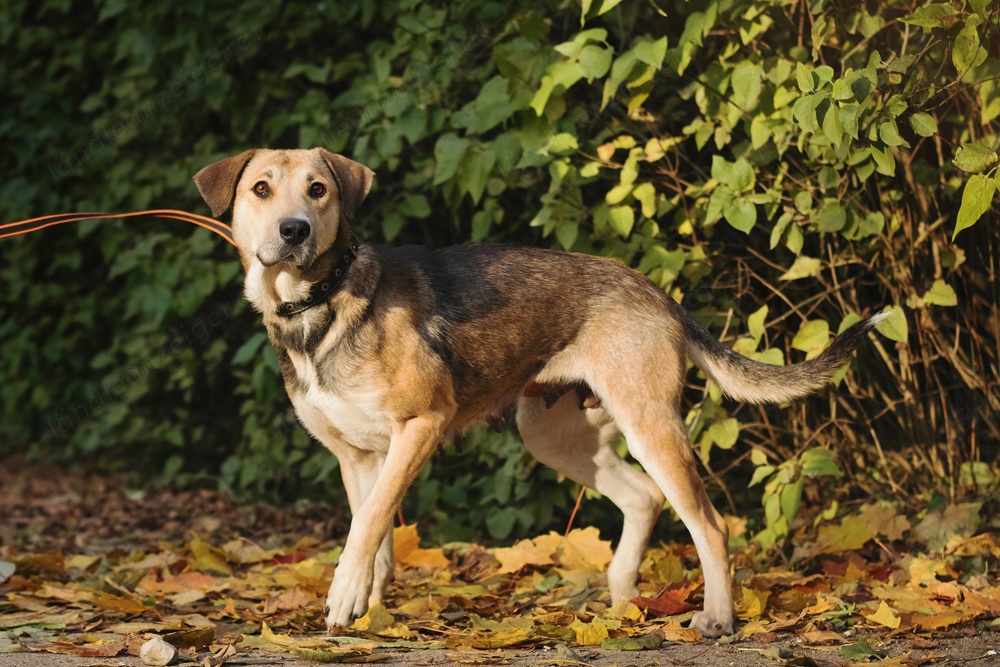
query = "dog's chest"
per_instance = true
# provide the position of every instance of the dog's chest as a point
(353, 413)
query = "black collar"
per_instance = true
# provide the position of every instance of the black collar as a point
(323, 289)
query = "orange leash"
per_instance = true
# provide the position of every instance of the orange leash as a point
(33, 225)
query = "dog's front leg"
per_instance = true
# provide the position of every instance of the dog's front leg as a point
(359, 469)
(412, 443)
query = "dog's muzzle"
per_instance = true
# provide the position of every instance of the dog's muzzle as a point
(295, 244)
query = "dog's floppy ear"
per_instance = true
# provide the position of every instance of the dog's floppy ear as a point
(353, 181)
(217, 181)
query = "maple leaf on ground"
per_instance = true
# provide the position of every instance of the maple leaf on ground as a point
(753, 603)
(582, 548)
(946, 529)
(595, 632)
(855, 531)
(406, 549)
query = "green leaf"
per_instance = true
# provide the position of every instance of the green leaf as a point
(415, 206)
(791, 499)
(803, 267)
(937, 15)
(859, 651)
(621, 219)
(645, 194)
(804, 78)
(248, 349)
(894, 327)
(889, 134)
(968, 51)
(541, 97)
(592, 9)
(738, 175)
(773, 356)
(941, 294)
(574, 47)
(819, 462)
(885, 163)
(923, 124)
(595, 61)
(755, 323)
(812, 337)
(746, 82)
(651, 52)
(448, 153)
(975, 158)
(500, 522)
(760, 474)
(831, 218)
(740, 213)
(481, 223)
(392, 225)
(617, 194)
(976, 200)
(724, 433)
(566, 233)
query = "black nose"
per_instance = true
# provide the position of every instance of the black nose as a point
(294, 230)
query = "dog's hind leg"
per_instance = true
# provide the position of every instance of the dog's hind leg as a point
(578, 443)
(658, 440)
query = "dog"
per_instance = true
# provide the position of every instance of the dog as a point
(389, 353)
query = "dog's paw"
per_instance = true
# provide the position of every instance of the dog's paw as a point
(348, 597)
(712, 625)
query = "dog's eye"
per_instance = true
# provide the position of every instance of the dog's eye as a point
(261, 189)
(317, 190)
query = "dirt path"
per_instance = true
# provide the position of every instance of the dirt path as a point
(982, 649)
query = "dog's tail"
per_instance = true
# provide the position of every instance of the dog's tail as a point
(755, 382)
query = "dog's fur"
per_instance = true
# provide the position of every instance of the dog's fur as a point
(417, 345)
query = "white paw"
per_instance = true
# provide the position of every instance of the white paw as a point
(711, 624)
(623, 592)
(349, 595)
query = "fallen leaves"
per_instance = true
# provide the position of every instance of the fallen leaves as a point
(875, 570)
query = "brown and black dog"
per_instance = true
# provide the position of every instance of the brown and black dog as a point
(389, 352)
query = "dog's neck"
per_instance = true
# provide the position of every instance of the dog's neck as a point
(282, 289)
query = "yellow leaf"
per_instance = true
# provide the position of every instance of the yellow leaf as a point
(593, 633)
(754, 602)
(406, 548)
(208, 558)
(111, 602)
(755, 627)
(672, 631)
(941, 619)
(823, 604)
(624, 609)
(523, 553)
(285, 641)
(821, 637)
(81, 562)
(884, 616)
(378, 621)
(585, 548)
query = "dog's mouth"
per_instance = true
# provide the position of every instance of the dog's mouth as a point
(300, 256)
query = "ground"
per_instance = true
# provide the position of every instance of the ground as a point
(91, 567)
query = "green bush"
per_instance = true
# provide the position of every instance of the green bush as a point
(780, 168)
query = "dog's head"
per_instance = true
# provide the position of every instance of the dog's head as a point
(288, 206)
